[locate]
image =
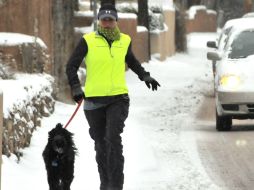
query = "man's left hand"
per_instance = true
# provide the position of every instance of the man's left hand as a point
(150, 81)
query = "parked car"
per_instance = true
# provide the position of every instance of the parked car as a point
(248, 15)
(234, 77)
(219, 44)
(223, 35)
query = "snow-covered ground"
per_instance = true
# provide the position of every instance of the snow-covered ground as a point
(159, 152)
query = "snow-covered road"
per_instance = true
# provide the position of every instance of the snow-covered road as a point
(159, 141)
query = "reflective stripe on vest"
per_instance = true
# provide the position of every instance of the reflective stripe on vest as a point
(105, 66)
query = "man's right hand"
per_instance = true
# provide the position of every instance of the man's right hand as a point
(151, 82)
(77, 93)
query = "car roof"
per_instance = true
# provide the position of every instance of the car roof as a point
(242, 28)
(239, 22)
(248, 15)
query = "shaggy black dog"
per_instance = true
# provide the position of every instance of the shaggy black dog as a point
(59, 156)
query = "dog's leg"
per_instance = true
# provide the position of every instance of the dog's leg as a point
(68, 175)
(67, 184)
(53, 181)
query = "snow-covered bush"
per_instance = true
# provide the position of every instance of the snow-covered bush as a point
(24, 53)
(127, 8)
(27, 99)
(6, 62)
(156, 19)
(3, 71)
(156, 8)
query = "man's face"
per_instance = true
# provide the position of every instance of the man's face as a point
(107, 23)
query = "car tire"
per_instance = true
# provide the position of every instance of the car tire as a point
(223, 123)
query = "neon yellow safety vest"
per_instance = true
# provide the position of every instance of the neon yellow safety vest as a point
(105, 65)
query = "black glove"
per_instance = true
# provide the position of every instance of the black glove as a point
(151, 81)
(77, 93)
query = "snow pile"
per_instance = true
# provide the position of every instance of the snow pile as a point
(165, 4)
(84, 30)
(83, 13)
(23, 89)
(15, 39)
(141, 29)
(127, 15)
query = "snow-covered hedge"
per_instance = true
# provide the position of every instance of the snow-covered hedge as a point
(27, 98)
(156, 19)
(24, 53)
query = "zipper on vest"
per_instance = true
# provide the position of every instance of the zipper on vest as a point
(108, 46)
(110, 51)
(112, 82)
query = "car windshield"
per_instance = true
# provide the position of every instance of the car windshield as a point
(223, 37)
(242, 46)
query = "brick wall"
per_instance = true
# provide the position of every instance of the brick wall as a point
(163, 42)
(128, 25)
(32, 17)
(203, 21)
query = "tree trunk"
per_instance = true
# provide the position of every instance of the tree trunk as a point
(232, 9)
(180, 31)
(76, 5)
(63, 39)
(210, 4)
(181, 4)
(107, 1)
(193, 2)
(143, 19)
(252, 6)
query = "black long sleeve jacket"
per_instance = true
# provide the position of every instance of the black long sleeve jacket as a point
(80, 52)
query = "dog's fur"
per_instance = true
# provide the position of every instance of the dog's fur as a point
(59, 157)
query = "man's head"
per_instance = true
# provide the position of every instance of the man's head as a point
(107, 16)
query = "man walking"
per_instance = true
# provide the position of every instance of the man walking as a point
(106, 97)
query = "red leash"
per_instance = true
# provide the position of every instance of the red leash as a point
(79, 104)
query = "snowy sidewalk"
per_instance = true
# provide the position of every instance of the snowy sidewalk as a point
(156, 155)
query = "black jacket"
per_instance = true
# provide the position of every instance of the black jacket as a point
(81, 51)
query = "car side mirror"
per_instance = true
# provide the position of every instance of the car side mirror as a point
(214, 56)
(211, 44)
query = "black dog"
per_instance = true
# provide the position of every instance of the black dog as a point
(59, 157)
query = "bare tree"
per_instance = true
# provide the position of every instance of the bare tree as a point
(143, 16)
(143, 19)
(232, 8)
(210, 4)
(193, 2)
(181, 4)
(63, 40)
(107, 1)
(180, 30)
(76, 5)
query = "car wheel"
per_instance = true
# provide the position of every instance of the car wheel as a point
(223, 123)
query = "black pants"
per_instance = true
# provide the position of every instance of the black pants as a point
(106, 125)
